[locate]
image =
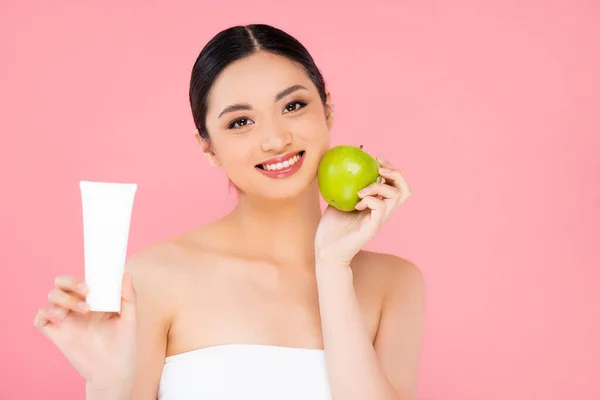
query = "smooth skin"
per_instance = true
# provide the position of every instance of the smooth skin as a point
(274, 271)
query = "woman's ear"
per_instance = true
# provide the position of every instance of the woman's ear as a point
(206, 146)
(329, 114)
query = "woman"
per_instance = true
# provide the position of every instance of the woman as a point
(274, 300)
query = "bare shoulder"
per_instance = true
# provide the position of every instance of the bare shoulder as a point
(153, 263)
(160, 265)
(157, 272)
(392, 274)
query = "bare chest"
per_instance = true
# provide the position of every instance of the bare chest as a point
(256, 305)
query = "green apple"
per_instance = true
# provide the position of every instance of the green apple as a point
(343, 171)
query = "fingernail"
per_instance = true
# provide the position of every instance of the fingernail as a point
(362, 193)
(82, 306)
(384, 170)
(82, 288)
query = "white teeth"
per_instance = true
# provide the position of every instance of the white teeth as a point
(285, 164)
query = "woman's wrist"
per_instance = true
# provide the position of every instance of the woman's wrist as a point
(119, 390)
(330, 264)
(335, 271)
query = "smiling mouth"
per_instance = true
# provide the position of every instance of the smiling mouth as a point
(282, 165)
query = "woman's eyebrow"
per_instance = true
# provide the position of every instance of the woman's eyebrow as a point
(246, 106)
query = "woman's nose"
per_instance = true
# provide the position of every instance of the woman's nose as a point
(276, 139)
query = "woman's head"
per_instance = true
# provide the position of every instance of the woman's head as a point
(256, 94)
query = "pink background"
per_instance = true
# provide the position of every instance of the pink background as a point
(490, 111)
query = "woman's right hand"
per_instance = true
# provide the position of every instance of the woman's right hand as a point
(100, 345)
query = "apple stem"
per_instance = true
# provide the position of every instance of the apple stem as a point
(360, 147)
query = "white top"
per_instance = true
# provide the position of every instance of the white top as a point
(245, 371)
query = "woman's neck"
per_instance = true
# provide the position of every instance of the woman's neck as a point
(282, 230)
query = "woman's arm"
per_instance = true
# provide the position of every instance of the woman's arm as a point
(153, 320)
(155, 303)
(358, 369)
(117, 392)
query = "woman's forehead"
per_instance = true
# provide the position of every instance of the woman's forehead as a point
(259, 76)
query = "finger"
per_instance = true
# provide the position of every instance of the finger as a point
(377, 214)
(62, 299)
(392, 175)
(396, 179)
(380, 190)
(41, 318)
(370, 202)
(69, 283)
(57, 315)
(52, 315)
(384, 163)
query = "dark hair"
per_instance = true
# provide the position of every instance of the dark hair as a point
(236, 43)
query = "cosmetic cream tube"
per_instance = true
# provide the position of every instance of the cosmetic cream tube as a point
(107, 209)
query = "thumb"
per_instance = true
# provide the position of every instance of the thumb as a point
(128, 297)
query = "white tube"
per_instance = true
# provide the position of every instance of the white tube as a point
(107, 209)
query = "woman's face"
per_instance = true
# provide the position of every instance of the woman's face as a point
(268, 126)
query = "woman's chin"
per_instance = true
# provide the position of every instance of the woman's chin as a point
(288, 190)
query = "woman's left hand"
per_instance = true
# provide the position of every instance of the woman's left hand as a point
(341, 235)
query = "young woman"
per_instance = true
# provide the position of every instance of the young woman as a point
(274, 300)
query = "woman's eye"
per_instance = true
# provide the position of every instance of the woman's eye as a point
(294, 106)
(238, 123)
